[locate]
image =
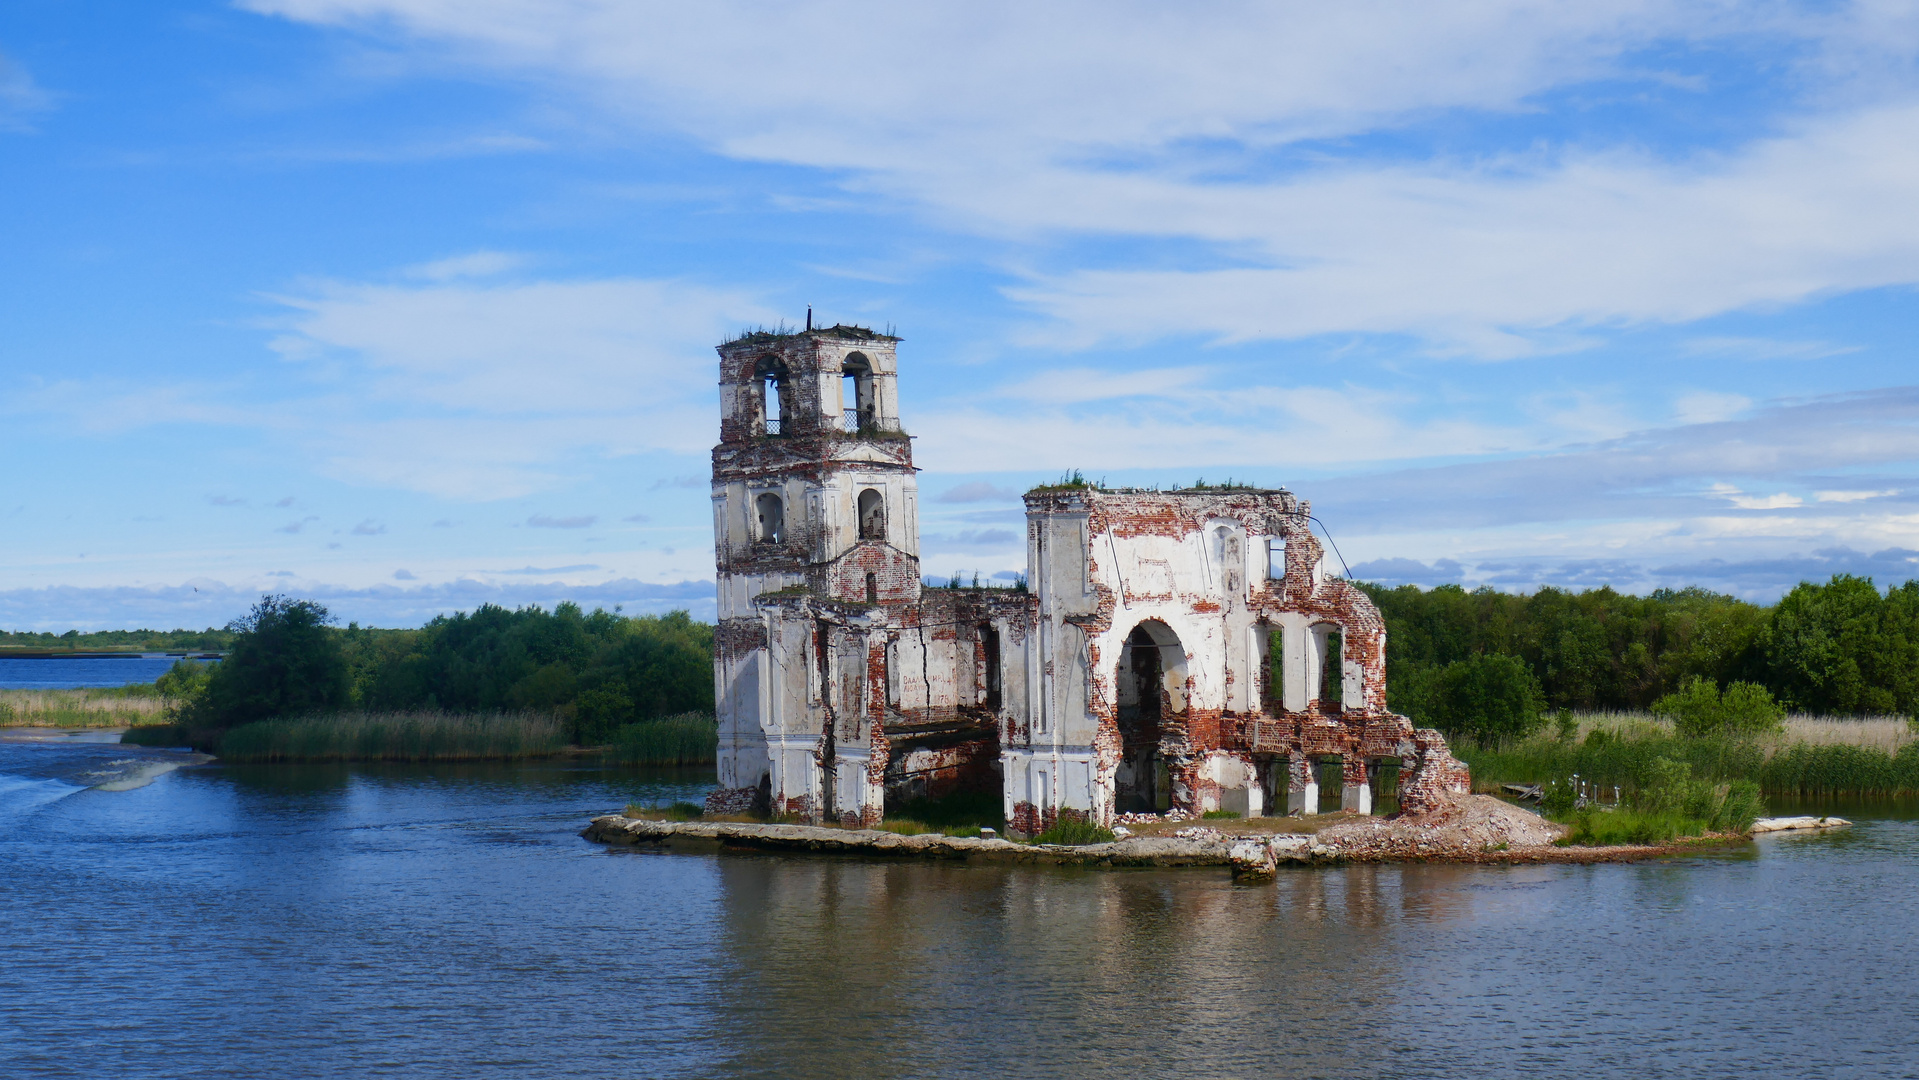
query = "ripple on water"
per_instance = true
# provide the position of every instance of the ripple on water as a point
(446, 920)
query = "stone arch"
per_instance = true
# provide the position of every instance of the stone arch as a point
(856, 393)
(872, 513)
(772, 394)
(1325, 666)
(1151, 688)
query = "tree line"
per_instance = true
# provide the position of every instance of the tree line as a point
(1482, 663)
(597, 672)
(212, 639)
(1838, 648)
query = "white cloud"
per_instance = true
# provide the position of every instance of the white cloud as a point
(1705, 407)
(473, 264)
(1852, 496)
(1781, 501)
(1188, 424)
(485, 390)
(1034, 121)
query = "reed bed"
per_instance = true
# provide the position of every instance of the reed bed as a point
(101, 707)
(1811, 756)
(686, 739)
(397, 736)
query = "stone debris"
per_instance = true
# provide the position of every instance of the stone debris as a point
(1788, 824)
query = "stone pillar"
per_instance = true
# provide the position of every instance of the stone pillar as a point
(1435, 779)
(1355, 788)
(1302, 795)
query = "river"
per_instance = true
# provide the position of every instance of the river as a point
(170, 919)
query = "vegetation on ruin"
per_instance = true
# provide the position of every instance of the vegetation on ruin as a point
(1803, 757)
(839, 330)
(1072, 481)
(1075, 829)
(396, 736)
(1228, 484)
(679, 811)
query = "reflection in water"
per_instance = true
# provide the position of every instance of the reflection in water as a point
(447, 921)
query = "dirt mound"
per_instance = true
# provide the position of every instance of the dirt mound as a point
(1463, 824)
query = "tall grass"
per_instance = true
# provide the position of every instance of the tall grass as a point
(88, 708)
(686, 739)
(1811, 756)
(397, 736)
(1627, 826)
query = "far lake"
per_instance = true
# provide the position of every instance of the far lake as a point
(70, 673)
(172, 920)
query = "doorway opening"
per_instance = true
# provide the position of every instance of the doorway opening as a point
(1151, 685)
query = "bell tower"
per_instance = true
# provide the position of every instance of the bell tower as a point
(815, 494)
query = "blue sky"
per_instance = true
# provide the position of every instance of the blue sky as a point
(409, 305)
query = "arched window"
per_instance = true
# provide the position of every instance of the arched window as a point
(770, 380)
(872, 515)
(856, 393)
(1227, 557)
(772, 512)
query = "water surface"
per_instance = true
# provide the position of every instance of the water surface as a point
(447, 921)
(74, 673)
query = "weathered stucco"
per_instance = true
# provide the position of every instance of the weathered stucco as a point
(1137, 675)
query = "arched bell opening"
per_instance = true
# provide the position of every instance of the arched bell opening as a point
(856, 393)
(772, 399)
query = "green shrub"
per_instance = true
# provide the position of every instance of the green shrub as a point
(904, 827)
(1566, 726)
(1221, 815)
(285, 662)
(1670, 803)
(1700, 708)
(1558, 799)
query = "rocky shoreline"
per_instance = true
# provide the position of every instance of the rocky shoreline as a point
(1474, 829)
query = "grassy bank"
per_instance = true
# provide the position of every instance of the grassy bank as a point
(1812, 756)
(687, 739)
(396, 736)
(94, 707)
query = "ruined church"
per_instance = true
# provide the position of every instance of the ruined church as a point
(1167, 650)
